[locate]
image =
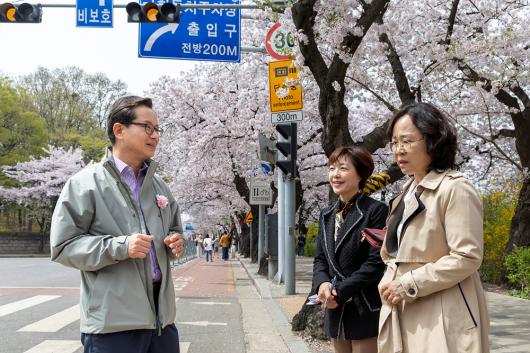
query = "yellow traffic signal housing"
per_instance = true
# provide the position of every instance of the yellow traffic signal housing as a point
(151, 12)
(20, 13)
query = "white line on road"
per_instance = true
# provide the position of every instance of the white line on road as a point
(184, 347)
(10, 287)
(202, 323)
(55, 322)
(55, 346)
(211, 303)
(10, 308)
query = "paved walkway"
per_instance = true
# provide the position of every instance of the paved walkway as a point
(510, 317)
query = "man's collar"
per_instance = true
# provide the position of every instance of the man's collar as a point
(121, 165)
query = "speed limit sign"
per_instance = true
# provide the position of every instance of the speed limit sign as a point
(279, 42)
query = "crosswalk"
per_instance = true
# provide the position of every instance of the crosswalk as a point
(48, 325)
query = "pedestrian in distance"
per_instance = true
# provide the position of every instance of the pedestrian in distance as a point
(433, 300)
(200, 246)
(216, 247)
(224, 242)
(233, 248)
(300, 244)
(112, 222)
(346, 269)
(208, 247)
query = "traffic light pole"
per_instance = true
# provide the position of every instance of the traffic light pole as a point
(289, 246)
(281, 217)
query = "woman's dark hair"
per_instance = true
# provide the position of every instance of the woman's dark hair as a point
(360, 158)
(123, 111)
(439, 134)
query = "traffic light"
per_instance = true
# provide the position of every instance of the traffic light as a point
(151, 12)
(20, 13)
(288, 148)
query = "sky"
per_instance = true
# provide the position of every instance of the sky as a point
(57, 42)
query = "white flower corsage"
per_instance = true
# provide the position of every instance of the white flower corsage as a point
(161, 201)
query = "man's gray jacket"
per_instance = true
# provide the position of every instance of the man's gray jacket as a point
(93, 218)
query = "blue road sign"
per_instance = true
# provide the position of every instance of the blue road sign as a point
(202, 34)
(94, 13)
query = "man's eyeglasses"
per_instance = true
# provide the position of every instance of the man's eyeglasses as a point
(149, 129)
(396, 145)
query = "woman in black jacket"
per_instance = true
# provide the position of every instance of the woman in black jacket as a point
(347, 269)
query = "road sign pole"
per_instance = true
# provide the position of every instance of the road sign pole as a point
(252, 245)
(261, 234)
(281, 217)
(289, 247)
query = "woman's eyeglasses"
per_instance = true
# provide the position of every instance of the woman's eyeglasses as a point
(396, 145)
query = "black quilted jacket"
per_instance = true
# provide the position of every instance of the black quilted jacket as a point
(356, 265)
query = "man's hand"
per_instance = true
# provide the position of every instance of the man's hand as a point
(139, 245)
(175, 242)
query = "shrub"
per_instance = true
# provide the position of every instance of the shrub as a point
(518, 271)
(310, 247)
(499, 208)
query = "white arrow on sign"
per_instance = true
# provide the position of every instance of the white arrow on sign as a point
(211, 303)
(172, 27)
(202, 323)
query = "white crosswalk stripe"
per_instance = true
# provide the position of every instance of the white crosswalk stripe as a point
(184, 347)
(56, 346)
(10, 308)
(54, 322)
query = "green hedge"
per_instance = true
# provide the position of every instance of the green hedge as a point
(310, 247)
(499, 208)
(518, 271)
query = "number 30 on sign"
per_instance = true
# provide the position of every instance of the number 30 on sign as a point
(279, 42)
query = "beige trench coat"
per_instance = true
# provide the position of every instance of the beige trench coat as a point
(444, 308)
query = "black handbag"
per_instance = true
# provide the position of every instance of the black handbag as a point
(374, 236)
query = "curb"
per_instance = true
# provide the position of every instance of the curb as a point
(294, 343)
(24, 255)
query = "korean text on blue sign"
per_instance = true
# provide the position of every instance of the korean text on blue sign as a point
(94, 13)
(211, 34)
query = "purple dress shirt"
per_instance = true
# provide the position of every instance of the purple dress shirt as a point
(135, 184)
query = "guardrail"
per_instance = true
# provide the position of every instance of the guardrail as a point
(190, 252)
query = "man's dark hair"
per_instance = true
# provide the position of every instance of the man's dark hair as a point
(123, 111)
(361, 159)
(439, 134)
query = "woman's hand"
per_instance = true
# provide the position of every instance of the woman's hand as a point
(390, 292)
(325, 297)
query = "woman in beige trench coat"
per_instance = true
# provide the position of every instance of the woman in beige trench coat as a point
(433, 300)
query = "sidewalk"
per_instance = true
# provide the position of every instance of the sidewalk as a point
(510, 317)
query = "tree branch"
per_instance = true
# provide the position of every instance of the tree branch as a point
(451, 22)
(304, 14)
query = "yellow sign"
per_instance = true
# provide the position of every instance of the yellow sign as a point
(249, 218)
(285, 89)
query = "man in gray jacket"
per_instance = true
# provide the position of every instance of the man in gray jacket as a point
(113, 222)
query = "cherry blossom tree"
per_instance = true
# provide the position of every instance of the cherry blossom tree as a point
(468, 57)
(361, 60)
(42, 180)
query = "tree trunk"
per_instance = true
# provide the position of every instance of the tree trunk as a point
(245, 241)
(310, 318)
(255, 234)
(264, 265)
(520, 227)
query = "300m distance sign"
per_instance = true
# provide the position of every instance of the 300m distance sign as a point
(279, 42)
